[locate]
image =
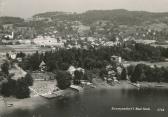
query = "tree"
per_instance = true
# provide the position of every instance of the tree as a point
(34, 61)
(63, 79)
(21, 54)
(136, 76)
(64, 66)
(78, 75)
(103, 73)
(5, 68)
(28, 79)
(8, 88)
(123, 74)
(85, 76)
(130, 70)
(157, 74)
(22, 89)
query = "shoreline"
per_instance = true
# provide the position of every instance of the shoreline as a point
(33, 102)
(161, 85)
(29, 103)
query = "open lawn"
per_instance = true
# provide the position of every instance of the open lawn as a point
(28, 48)
(5, 49)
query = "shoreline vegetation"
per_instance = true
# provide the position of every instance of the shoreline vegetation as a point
(109, 74)
(9, 104)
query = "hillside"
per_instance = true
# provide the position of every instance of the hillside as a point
(10, 20)
(123, 17)
(120, 16)
(50, 14)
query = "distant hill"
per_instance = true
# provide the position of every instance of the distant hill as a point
(120, 16)
(10, 20)
(51, 14)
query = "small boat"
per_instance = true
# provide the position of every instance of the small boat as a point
(10, 105)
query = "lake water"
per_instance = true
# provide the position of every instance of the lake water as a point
(103, 103)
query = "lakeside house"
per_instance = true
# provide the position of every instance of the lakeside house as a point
(42, 66)
(9, 36)
(117, 59)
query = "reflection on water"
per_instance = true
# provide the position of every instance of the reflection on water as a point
(98, 103)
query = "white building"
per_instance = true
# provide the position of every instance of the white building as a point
(47, 41)
(10, 36)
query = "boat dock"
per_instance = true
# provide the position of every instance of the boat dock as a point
(77, 88)
(53, 94)
(137, 85)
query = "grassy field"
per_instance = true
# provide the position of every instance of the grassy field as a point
(5, 49)
(28, 49)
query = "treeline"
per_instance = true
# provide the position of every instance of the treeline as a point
(142, 72)
(142, 52)
(92, 58)
(118, 16)
(17, 88)
(62, 59)
(64, 78)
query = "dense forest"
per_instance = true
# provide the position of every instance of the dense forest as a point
(142, 72)
(92, 58)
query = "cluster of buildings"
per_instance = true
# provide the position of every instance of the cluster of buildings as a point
(58, 33)
(114, 70)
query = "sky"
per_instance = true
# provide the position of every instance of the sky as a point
(27, 8)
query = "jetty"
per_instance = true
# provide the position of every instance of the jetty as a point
(55, 94)
(136, 85)
(77, 88)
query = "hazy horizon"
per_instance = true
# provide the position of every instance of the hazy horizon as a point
(27, 8)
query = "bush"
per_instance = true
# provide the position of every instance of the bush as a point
(28, 79)
(63, 79)
(8, 88)
(103, 73)
(22, 89)
(123, 74)
(5, 68)
(78, 76)
(19, 88)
